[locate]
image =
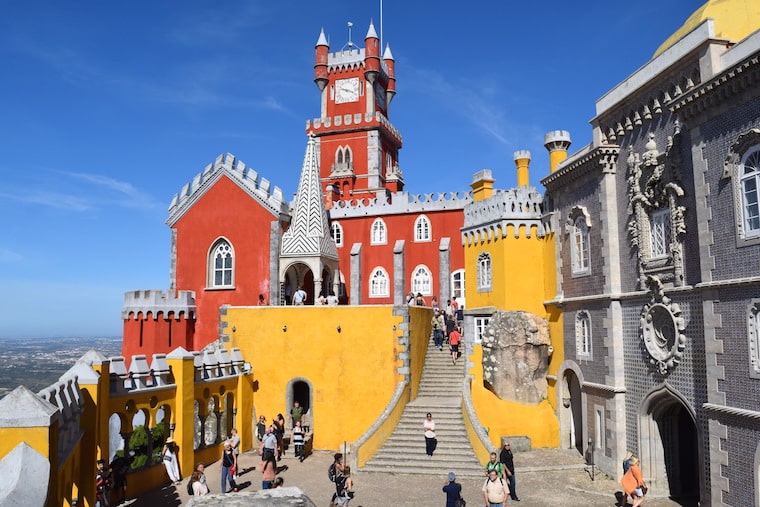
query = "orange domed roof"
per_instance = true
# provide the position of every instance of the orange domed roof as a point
(734, 20)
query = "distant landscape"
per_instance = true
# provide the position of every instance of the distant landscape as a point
(38, 362)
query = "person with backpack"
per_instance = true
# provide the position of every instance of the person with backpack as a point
(495, 490)
(334, 472)
(344, 488)
(103, 485)
(200, 477)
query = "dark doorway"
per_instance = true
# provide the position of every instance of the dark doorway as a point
(679, 442)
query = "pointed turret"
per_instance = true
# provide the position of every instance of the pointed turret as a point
(322, 50)
(371, 54)
(390, 67)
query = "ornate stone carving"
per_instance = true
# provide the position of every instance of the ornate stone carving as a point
(656, 224)
(662, 329)
(516, 356)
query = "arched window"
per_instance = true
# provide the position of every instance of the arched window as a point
(750, 182)
(579, 224)
(337, 233)
(583, 334)
(221, 265)
(378, 234)
(422, 230)
(659, 230)
(484, 273)
(422, 280)
(379, 284)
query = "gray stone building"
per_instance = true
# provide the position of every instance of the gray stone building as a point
(657, 227)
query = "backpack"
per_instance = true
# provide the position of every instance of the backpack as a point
(190, 487)
(332, 473)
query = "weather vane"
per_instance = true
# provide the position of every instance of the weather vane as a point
(350, 42)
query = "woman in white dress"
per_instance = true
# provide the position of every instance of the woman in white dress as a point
(169, 455)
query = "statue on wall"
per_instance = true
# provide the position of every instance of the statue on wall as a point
(516, 349)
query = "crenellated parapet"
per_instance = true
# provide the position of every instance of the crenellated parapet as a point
(518, 208)
(66, 396)
(258, 187)
(349, 121)
(400, 203)
(139, 303)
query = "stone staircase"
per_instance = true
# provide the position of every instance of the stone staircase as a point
(440, 393)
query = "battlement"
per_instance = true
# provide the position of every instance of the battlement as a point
(518, 207)
(318, 125)
(399, 203)
(349, 60)
(260, 188)
(139, 302)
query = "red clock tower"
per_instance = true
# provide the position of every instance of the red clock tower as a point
(358, 144)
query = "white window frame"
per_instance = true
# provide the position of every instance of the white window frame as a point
(583, 334)
(221, 247)
(378, 232)
(749, 174)
(423, 230)
(458, 286)
(336, 231)
(484, 272)
(660, 234)
(422, 280)
(579, 247)
(379, 283)
(480, 324)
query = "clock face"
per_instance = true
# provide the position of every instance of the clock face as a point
(347, 90)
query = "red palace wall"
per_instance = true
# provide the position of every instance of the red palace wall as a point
(225, 210)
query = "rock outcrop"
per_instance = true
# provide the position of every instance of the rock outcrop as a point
(516, 348)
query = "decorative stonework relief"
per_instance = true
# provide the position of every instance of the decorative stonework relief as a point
(656, 224)
(662, 329)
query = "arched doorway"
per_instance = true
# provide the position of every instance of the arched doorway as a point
(669, 446)
(298, 275)
(571, 414)
(300, 390)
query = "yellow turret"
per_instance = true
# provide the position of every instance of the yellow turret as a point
(557, 142)
(482, 185)
(522, 160)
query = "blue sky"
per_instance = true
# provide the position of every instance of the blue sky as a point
(108, 108)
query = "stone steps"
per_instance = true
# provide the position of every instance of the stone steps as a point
(440, 394)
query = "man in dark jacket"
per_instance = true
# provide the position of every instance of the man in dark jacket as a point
(509, 463)
(453, 490)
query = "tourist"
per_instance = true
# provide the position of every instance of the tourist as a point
(279, 431)
(234, 441)
(508, 459)
(278, 482)
(297, 437)
(229, 467)
(299, 298)
(434, 304)
(495, 490)
(332, 299)
(419, 300)
(428, 426)
(296, 413)
(199, 488)
(119, 468)
(269, 442)
(262, 301)
(102, 485)
(454, 338)
(335, 472)
(633, 482)
(493, 464)
(344, 488)
(261, 427)
(453, 490)
(268, 468)
(201, 469)
(410, 299)
(169, 456)
(437, 330)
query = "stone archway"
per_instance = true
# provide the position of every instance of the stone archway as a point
(298, 275)
(671, 456)
(571, 418)
(301, 390)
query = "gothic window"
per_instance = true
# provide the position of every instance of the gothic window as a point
(342, 165)
(422, 229)
(337, 233)
(378, 284)
(583, 334)
(484, 272)
(388, 165)
(422, 280)
(753, 332)
(750, 181)
(659, 230)
(579, 223)
(221, 265)
(378, 233)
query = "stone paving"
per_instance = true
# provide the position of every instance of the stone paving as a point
(545, 478)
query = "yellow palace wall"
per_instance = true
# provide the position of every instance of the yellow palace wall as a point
(352, 372)
(522, 272)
